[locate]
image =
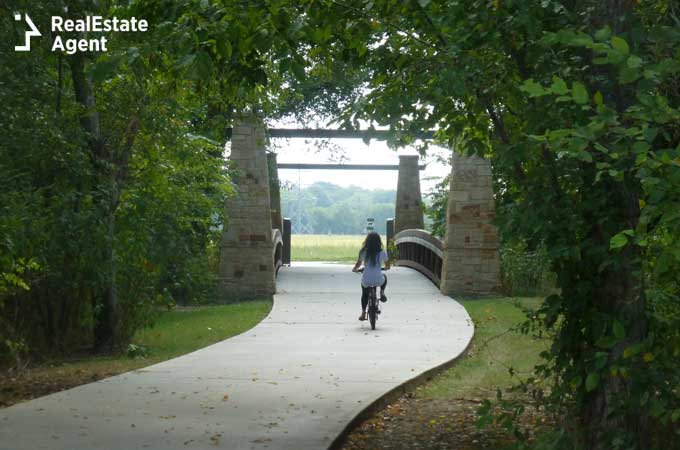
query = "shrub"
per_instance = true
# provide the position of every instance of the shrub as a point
(525, 272)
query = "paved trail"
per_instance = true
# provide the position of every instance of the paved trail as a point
(293, 382)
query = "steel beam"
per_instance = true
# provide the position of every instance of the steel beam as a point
(342, 166)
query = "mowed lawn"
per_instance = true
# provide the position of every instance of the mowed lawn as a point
(322, 247)
(496, 348)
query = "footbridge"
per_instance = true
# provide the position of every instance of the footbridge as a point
(256, 241)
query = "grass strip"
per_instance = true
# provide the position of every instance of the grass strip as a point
(495, 349)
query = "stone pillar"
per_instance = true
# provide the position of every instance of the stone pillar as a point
(274, 191)
(471, 265)
(246, 253)
(409, 209)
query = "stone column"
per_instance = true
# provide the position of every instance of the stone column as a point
(246, 258)
(471, 265)
(274, 191)
(409, 209)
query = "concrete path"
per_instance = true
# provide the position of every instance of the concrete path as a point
(293, 382)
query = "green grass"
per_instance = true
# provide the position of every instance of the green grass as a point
(493, 350)
(185, 330)
(321, 247)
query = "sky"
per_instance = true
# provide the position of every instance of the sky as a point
(352, 151)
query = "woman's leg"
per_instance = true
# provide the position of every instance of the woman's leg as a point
(382, 289)
(364, 301)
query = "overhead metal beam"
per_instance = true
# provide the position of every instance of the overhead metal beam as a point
(340, 134)
(381, 135)
(341, 166)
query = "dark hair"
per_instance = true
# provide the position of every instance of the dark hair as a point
(372, 246)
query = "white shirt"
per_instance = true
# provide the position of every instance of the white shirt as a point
(372, 275)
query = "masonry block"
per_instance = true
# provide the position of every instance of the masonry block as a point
(246, 269)
(409, 208)
(471, 266)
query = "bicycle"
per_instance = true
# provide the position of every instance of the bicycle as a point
(373, 303)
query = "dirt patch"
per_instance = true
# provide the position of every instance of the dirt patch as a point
(415, 423)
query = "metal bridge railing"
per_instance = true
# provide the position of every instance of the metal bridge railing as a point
(281, 245)
(421, 251)
(277, 241)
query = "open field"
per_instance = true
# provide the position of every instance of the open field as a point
(322, 247)
(175, 333)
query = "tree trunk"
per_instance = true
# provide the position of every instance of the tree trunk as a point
(106, 316)
(620, 293)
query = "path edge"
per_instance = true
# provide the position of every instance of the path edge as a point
(396, 392)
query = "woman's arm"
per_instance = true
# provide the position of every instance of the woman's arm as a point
(388, 261)
(357, 265)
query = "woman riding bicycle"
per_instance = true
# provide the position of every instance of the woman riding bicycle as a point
(373, 256)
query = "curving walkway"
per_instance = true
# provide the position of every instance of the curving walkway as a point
(293, 382)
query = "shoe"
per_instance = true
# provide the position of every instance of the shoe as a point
(362, 316)
(383, 298)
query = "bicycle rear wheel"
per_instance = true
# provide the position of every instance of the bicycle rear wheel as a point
(372, 308)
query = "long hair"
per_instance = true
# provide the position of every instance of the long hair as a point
(372, 246)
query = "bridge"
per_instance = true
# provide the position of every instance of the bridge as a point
(256, 241)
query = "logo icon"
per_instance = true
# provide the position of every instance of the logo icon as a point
(33, 32)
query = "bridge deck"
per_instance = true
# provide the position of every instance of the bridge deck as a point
(293, 382)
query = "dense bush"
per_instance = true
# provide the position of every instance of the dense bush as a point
(525, 272)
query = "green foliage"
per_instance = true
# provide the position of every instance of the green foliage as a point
(136, 351)
(140, 219)
(436, 205)
(525, 272)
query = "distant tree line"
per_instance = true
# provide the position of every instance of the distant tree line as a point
(325, 208)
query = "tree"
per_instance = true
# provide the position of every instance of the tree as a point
(574, 104)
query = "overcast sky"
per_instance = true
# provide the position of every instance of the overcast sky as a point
(352, 151)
